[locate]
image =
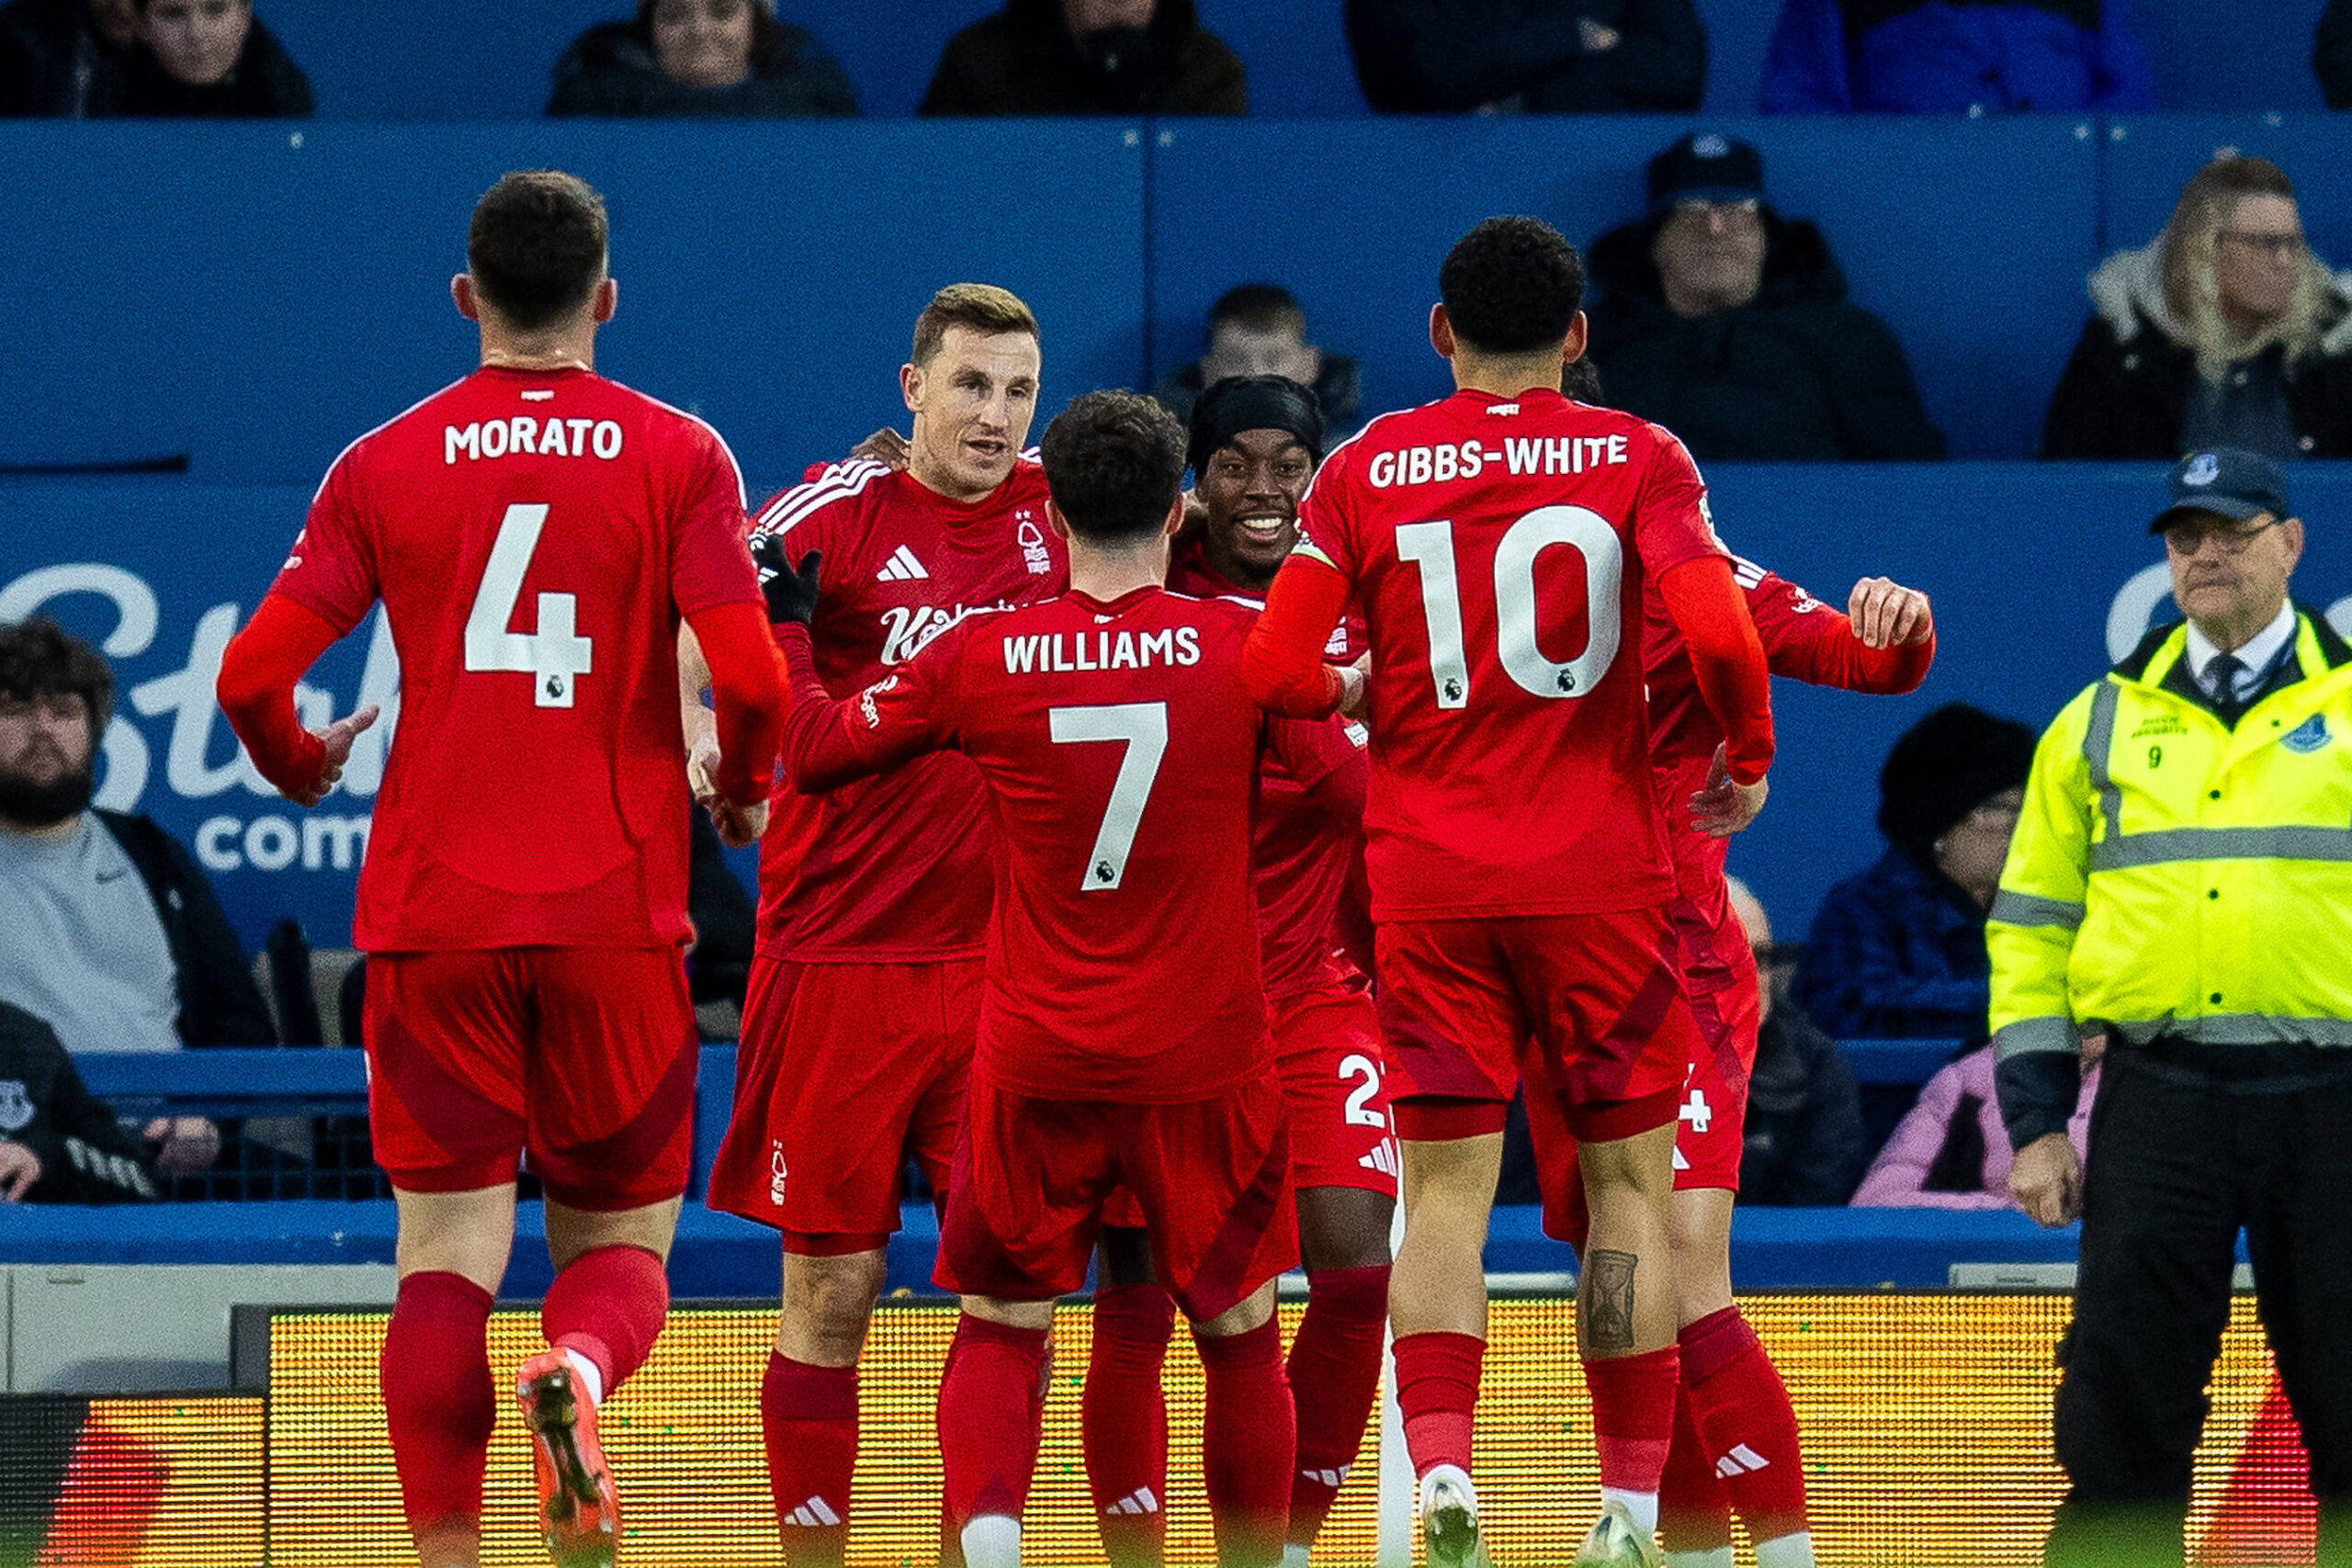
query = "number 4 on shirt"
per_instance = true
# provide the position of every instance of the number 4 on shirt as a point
(552, 656)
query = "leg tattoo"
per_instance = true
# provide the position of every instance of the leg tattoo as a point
(1605, 1300)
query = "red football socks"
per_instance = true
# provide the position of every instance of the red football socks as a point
(1437, 1389)
(989, 1418)
(1693, 1509)
(1334, 1377)
(1248, 1442)
(609, 1305)
(809, 1422)
(1741, 1408)
(1633, 1417)
(1123, 1420)
(439, 1407)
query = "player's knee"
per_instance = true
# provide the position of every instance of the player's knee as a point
(828, 1302)
(572, 1232)
(1254, 1311)
(1344, 1227)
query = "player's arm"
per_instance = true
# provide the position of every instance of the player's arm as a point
(1884, 644)
(256, 688)
(1282, 664)
(1326, 764)
(747, 693)
(1733, 679)
(829, 743)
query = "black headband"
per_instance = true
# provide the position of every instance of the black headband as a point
(1252, 402)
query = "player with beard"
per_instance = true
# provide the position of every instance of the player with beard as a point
(866, 986)
(109, 932)
(1254, 444)
(1123, 1039)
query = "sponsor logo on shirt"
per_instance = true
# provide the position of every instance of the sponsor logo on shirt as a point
(908, 629)
(866, 703)
(2307, 737)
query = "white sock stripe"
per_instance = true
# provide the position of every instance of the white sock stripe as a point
(814, 1514)
(1750, 1457)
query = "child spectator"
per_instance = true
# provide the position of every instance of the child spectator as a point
(1950, 1151)
(210, 60)
(2226, 331)
(704, 58)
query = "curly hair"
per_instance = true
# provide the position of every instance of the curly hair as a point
(1114, 464)
(536, 245)
(2191, 239)
(40, 659)
(1511, 286)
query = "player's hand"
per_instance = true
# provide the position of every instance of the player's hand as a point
(739, 827)
(2047, 1181)
(791, 593)
(1724, 806)
(19, 1168)
(337, 737)
(190, 1143)
(702, 770)
(1355, 686)
(885, 446)
(1884, 612)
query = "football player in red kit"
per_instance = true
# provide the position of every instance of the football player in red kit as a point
(1499, 544)
(536, 534)
(1122, 1037)
(865, 986)
(1255, 442)
(1732, 1397)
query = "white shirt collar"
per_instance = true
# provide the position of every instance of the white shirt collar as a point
(2258, 651)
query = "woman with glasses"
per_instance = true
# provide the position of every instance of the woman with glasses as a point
(2226, 331)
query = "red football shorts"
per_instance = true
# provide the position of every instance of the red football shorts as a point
(1595, 999)
(583, 1057)
(1211, 1176)
(1708, 1143)
(843, 1071)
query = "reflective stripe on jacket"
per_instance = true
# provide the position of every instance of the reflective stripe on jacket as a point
(2173, 875)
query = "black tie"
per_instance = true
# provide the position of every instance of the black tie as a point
(2222, 675)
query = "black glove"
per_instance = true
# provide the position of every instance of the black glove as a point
(791, 595)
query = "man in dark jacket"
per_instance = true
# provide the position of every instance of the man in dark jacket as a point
(1258, 329)
(108, 932)
(701, 59)
(58, 1144)
(64, 58)
(1938, 57)
(1531, 56)
(1729, 324)
(210, 60)
(1081, 57)
(1802, 1142)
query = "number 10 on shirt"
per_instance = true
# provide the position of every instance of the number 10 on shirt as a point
(1431, 546)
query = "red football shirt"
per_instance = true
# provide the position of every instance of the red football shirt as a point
(896, 868)
(536, 537)
(1304, 854)
(1499, 549)
(1121, 755)
(1804, 639)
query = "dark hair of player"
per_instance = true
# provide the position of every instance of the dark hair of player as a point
(535, 246)
(1259, 308)
(1511, 286)
(1114, 463)
(982, 308)
(40, 659)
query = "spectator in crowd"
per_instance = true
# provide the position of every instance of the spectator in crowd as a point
(64, 58)
(1898, 952)
(708, 59)
(1513, 57)
(2225, 330)
(1927, 57)
(108, 932)
(1729, 324)
(2332, 54)
(210, 60)
(58, 1144)
(2177, 875)
(1079, 57)
(1950, 1151)
(1803, 1142)
(1259, 330)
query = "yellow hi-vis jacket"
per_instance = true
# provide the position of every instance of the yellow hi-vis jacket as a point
(2173, 876)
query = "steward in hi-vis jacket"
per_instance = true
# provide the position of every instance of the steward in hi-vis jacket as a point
(2181, 882)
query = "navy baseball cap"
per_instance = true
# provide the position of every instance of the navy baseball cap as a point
(2228, 480)
(1704, 166)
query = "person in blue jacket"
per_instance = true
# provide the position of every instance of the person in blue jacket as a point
(1969, 57)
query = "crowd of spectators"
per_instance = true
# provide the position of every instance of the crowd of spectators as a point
(737, 58)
